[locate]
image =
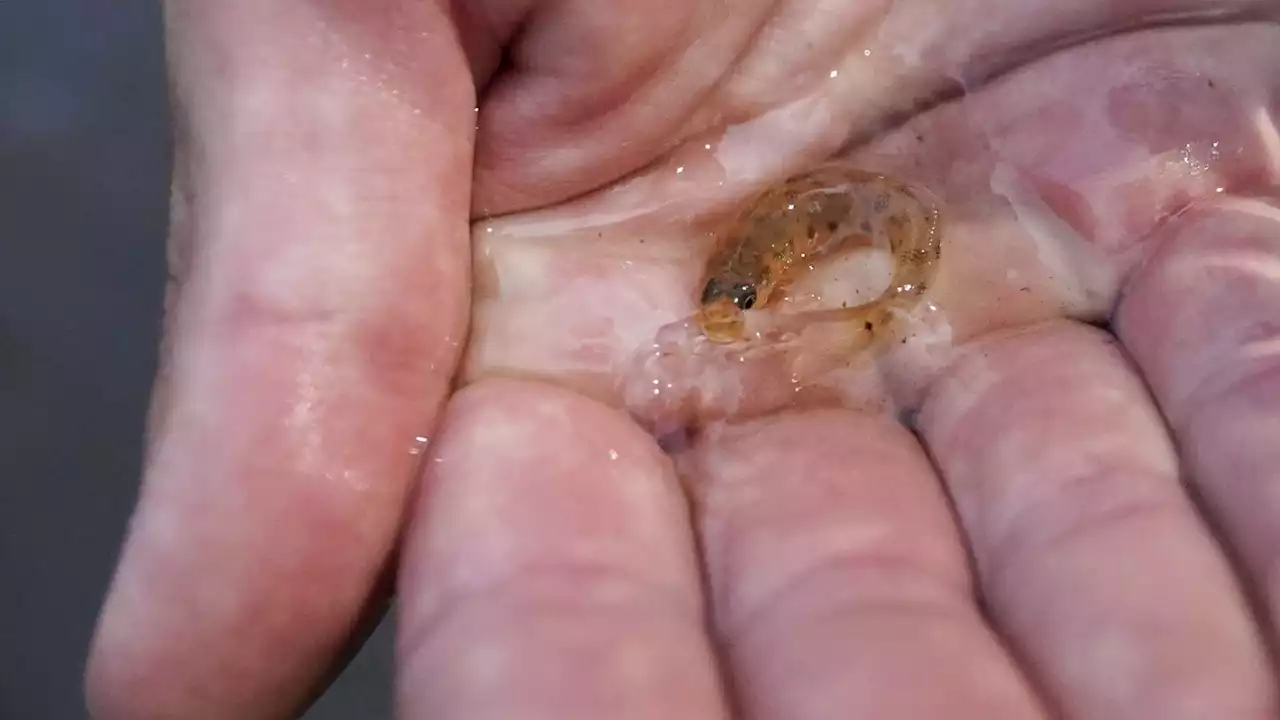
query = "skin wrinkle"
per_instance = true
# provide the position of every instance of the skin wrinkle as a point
(915, 590)
(566, 587)
(1084, 474)
(521, 122)
(1183, 262)
(1084, 505)
(877, 98)
(878, 549)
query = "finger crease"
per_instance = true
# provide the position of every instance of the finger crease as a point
(1094, 504)
(848, 582)
(559, 588)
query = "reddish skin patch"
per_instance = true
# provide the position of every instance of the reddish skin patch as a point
(1073, 206)
(305, 356)
(1168, 105)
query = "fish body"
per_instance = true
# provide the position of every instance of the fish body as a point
(792, 226)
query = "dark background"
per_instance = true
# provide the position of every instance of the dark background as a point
(84, 163)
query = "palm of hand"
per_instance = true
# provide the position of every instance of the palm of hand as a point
(551, 531)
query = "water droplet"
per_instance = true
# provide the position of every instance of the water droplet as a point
(613, 454)
(707, 146)
(420, 444)
(1195, 162)
(835, 73)
(866, 53)
(680, 170)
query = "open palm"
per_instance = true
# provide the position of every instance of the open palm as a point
(1031, 550)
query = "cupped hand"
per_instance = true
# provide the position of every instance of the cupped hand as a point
(357, 387)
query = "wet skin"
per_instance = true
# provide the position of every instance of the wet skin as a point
(1029, 549)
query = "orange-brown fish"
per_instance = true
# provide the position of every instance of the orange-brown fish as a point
(806, 218)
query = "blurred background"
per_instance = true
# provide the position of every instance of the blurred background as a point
(84, 163)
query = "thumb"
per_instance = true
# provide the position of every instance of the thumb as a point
(321, 237)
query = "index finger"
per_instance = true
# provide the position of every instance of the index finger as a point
(320, 214)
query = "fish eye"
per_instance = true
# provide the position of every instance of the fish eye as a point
(745, 296)
(711, 291)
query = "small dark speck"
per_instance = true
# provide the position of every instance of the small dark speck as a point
(831, 226)
(641, 241)
(869, 326)
(676, 441)
(1026, 289)
(919, 137)
(1212, 84)
(904, 341)
(844, 303)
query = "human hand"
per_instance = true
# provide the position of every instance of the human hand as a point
(1029, 553)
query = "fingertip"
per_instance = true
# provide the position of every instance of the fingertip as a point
(838, 576)
(565, 457)
(549, 568)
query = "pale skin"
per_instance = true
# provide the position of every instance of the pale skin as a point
(1084, 523)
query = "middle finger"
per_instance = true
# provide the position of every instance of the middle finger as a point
(837, 578)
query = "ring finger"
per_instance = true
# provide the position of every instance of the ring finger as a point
(1093, 561)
